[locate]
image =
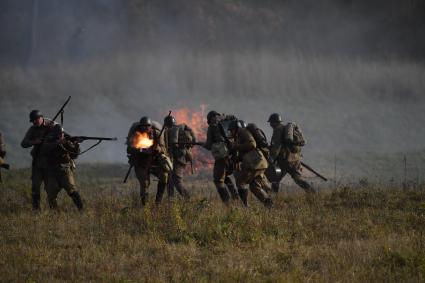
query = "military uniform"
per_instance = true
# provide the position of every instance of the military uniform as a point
(153, 160)
(223, 166)
(33, 139)
(2, 149)
(2, 154)
(180, 155)
(60, 170)
(286, 150)
(252, 167)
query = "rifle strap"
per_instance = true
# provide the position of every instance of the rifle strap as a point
(93, 146)
(62, 117)
(81, 153)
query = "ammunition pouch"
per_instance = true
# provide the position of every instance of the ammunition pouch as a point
(219, 150)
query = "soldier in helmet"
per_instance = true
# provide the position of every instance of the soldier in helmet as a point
(285, 149)
(252, 165)
(2, 156)
(223, 167)
(60, 153)
(34, 138)
(179, 138)
(147, 152)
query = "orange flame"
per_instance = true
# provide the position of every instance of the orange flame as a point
(196, 120)
(141, 140)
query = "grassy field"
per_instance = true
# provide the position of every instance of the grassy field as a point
(362, 233)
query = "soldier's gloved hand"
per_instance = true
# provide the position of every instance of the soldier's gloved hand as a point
(78, 140)
(131, 159)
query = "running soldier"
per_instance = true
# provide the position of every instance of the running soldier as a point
(180, 139)
(223, 167)
(253, 164)
(147, 152)
(285, 149)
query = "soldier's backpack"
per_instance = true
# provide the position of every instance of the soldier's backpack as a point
(298, 136)
(224, 124)
(185, 135)
(258, 134)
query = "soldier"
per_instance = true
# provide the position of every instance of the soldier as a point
(285, 148)
(147, 152)
(2, 148)
(223, 168)
(252, 165)
(2, 156)
(60, 153)
(34, 138)
(179, 139)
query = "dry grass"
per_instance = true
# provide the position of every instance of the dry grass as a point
(351, 234)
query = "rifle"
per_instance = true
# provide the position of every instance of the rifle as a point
(61, 110)
(153, 146)
(86, 138)
(313, 171)
(189, 143)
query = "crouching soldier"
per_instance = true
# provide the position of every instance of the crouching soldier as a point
(60, 153)
(253, 164)
(147, 152)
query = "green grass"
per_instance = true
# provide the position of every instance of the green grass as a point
(355, 234)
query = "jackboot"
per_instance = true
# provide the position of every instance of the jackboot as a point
(160, 192)
(76, 198)
(243, 194)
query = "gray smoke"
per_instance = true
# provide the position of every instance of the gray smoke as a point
(323, 71)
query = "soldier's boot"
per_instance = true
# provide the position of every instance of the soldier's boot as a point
(144, 198)
(231, 187)
(182, 191)
(35, 202)
(53, 204)
(305, 186)
(275, 187)
(262, 196)
(76, 198)
(243, 194)
(160, 192)
(170, 190)
(224, 195)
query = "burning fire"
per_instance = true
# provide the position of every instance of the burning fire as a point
(141, 140)
(197, 121)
